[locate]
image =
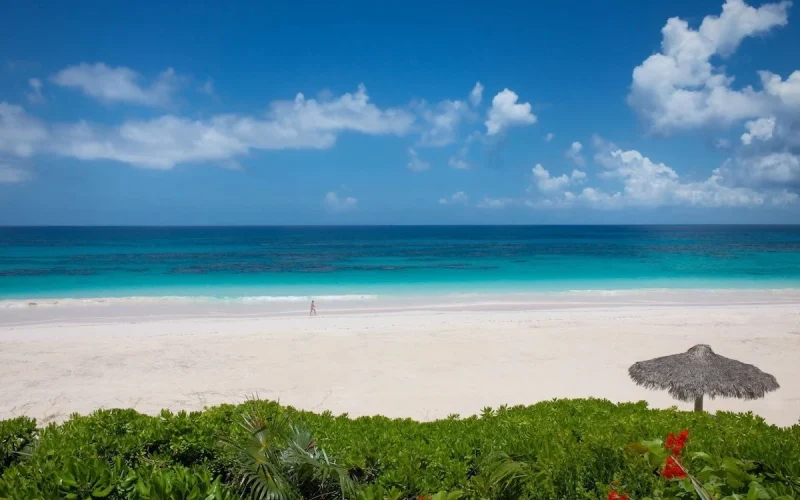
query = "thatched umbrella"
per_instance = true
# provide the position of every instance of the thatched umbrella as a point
(700, 372)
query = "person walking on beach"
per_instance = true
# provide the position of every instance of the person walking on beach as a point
(313, 311)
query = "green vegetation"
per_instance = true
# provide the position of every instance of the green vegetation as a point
(582, 449)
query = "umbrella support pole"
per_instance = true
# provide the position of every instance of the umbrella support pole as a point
(698, 404)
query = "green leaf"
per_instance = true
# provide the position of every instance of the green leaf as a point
(102, 493)
(757, 492)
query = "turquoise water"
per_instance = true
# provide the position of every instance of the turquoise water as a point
(304, 261)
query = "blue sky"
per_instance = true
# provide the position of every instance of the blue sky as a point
(400, 113)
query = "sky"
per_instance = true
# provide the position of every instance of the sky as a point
(584, 112)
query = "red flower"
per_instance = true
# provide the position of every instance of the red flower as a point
(675, 444)
(672, 469)
(613, 495)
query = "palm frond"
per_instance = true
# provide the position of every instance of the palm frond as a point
(504, 475)
(313, 468)
(278, 461)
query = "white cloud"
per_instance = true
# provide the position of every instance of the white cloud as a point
(679, 88)
(20, 134)
(647, 183)
(495, 203)
(760, 129)
(334, 203)
(169, 140)
(506, 112)
(120, 84)
(476, 95)
(11, 174)
(415, 163)
(351, 112)
(545, 182)
(35, 95)
(549, 137)
(443, 122)
(774, 169)
(598, 199)
(787, 91)
(458, 163)
(574, 155)
(458, 198)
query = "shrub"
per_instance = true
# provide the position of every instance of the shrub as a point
(582, 449)
(15, 435)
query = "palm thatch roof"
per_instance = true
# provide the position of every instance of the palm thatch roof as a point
(698, 372)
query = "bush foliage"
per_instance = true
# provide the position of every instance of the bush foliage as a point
(581, 449)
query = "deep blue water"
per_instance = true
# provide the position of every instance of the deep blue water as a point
(280, 261)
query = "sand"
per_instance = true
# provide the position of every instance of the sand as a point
(423, 359)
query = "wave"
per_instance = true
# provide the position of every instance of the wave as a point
(426, 298)
(100, 301)
(675, 291)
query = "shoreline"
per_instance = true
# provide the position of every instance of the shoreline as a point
(109, 310)
(422, 363)
(223, 292)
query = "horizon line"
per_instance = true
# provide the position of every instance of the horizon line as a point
(211, 226)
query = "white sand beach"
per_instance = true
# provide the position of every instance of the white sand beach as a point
(412, 358)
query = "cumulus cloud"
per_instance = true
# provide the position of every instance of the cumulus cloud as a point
(679, 88)
(458, 198)
(788, 91)
(774, 169)
(549, 137)
(760, 129)
(334, 203)
(442, 123)
(35, 94)
(476, 95)
(20, 133)
(415, 163)
(596, 198)
(547, 183)
(648, 183)
(118, 84)
(351, 112)
(12, 174)
(167, 141)
(578, 176)
(170, 140)
(574, 155)
(506, 112)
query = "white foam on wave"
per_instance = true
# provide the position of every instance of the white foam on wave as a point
(466, 297)
(676, 291)
(299, 298)
(101, 301)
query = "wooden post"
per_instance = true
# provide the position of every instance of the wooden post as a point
(698, 404)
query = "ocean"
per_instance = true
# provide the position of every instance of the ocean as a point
(287, 263)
